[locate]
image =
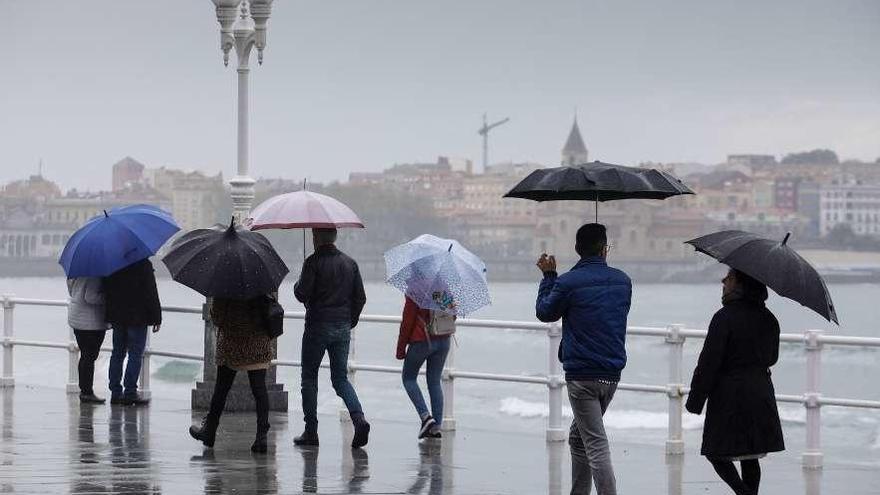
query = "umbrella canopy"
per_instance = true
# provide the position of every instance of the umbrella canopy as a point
(771, 262)
(234, 263)
(302, 209)
(438, 274)
(116, 239)
(597, 181)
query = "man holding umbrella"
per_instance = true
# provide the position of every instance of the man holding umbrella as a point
(331, 288)
(593, 301)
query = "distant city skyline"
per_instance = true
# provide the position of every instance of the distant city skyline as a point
(357, 87)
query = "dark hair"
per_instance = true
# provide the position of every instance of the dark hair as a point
(324, 236)
(590, 240)
(751, 288)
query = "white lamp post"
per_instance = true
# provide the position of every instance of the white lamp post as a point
(242, 27)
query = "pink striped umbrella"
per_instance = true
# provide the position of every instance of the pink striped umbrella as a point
(302, 210)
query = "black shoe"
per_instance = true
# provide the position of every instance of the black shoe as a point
(206, 433)
(309, 437)
(361, 430)
(90, 399)
(434, 432)
(261, 443)
(136, 400)
(118, 401)
(427, 424)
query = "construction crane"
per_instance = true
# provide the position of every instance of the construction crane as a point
(484, 131)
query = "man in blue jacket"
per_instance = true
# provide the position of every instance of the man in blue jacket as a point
(593, 301)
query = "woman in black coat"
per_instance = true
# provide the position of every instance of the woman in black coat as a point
(742, 422)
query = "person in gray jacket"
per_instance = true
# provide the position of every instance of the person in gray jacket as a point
(85, 314)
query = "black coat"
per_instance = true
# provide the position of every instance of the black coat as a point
(733, 374)
(331, 288)
(131, 297)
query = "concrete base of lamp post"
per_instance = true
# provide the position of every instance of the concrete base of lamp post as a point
(240, 397)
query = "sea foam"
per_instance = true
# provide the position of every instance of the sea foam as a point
(615, 418)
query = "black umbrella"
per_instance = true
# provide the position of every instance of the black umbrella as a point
(233, 263)
(597, 181)
(772, 263)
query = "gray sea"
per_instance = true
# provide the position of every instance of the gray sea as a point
(849, 435)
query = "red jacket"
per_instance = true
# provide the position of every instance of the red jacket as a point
(412, 327)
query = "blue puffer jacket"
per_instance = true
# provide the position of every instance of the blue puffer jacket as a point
(593, 301)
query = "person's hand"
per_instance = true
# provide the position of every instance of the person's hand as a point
(546, 263)
(400, 355)
(156, 328)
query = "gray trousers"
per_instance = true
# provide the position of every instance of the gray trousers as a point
(590, 454)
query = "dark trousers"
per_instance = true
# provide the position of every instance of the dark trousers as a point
(747, 484)
(89, 342)
(225, 378)
(334, 339)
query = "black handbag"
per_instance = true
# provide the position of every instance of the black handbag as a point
(274, 318)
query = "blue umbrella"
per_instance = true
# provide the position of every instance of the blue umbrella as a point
(438, 274)
(116, 239)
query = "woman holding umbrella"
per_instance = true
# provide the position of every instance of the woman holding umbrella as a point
(440, 280)
(241, 271)
(733, 372)
(742, 422)
(421, 341)
(243, 344)
(85, 315)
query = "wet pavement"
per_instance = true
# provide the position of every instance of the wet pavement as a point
(50, 443)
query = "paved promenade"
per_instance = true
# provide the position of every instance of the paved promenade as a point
(52, 444)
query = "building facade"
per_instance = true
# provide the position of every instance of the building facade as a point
(195, 198)
(852, 203)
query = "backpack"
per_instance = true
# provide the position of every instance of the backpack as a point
(440, 324)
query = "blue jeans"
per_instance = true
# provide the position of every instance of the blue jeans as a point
(332, 338)
(130, 341)
(434, 352)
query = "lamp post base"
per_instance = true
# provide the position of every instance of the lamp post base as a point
(240, 397)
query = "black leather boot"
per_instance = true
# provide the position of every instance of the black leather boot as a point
(361, 430)
(261, 443)
(308, 437)
(206, 433)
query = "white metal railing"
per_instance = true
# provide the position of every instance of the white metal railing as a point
(675, 389)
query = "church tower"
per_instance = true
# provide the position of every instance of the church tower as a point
(575, 151)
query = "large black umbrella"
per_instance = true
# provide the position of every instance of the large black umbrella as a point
(598, 181)
(233, 263)
(772, 263)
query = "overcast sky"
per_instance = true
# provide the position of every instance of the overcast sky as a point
(359, 85)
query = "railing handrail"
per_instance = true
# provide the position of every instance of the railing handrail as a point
(674, 335)
(638, 330)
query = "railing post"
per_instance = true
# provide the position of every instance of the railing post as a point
(448, 423)
(555, 430)
(812, 456)
(344, 416)
(72, 364)
(674, 439)
(7, 379)
(145, 368)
